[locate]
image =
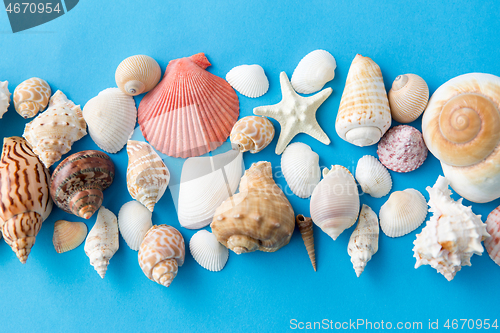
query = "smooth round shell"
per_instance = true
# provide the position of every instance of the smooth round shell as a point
(248, 80)
(137, 74)
(134, 221)
(492, 243)
(313, 71)
(300, 166)
(252, 133)
(207, 251)
(4, 98)
(373, 177)
(31, 96)
(408, 97)
(68, 235)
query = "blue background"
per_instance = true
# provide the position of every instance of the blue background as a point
(78, 54)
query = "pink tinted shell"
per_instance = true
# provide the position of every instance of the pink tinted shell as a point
(492, 243)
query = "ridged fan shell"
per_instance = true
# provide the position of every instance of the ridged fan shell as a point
(137, 74)
(492, 243)
(4, 98)
(207, 251)
(31, 96)
(408, 97)
(363, 243)
(300, 166)
(373, 177)
(313, 71)
(248, 80)
(134, 221)
(68, 235)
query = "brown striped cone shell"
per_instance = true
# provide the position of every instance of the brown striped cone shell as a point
(31, 96)
(52, 133)
(162, 252)
(305, 225)
(4, 98)
(259, 217)
(137, 74)
(408, 97)
(24, 196)
(363, 243)
(78, 182)
(68, 235)
(252, 133)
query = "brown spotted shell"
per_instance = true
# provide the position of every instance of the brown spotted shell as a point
(31, 96)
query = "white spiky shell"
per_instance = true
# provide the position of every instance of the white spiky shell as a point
(313, 71)
(134, 221)
(111, 118)
(300, 166)
(408, 97)
(137, 74)
(363, 243)
(4, 98)
(373, 177)
(102, 241)
(207, 251)
(248, 80)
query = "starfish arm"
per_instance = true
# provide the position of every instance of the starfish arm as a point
(273, 111)
(287, 90)
(286, 135)
(317, 132)
(320, 97)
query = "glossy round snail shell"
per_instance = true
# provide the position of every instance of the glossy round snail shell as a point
(408, 97)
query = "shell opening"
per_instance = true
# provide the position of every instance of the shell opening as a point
(399, 82)
(242, 244)
(134, 87)
(363, 136)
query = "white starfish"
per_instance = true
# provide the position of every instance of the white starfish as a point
(296, 114)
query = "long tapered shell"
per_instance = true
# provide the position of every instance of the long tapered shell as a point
(111, 117)
(68, 235)
(300, 166)
(363, 243)
(4, 98)
(31, 96)
(191, 111)
(162, 252)
(364, 114)
(252, 133)
(492, 243)
(373, 177)
(408, 97)
(137, 74)
(147, 175)
(207, 251)
(134, 221)
(313, 71)
(248, 80)
(305, 225)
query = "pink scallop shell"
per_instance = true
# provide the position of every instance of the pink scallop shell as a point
(492, 243)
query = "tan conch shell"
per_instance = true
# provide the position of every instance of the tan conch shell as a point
(137, 74)
(68, 235)
(4, 98)
(408, 97)
(259, 217)
(305, 225)
(363, 243)
(24, 196)
(31, 96)
(252, 133)
(364, 114)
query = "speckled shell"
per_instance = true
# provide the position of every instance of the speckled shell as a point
(134, 221)
(363, 243)
(492, 243)
(252, 133)
(31, 96)
(24, 196)
(52, 133)
(137, 74)
(300, 166)
(408, 97)
(313, 71)
(305, 225)
(259, 217)
(162, 252)
(248, 80)
(4, 98)
(207, 251)
(373, 177)
(68, 235)
(78, 182)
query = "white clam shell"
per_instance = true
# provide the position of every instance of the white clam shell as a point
(373, 177)
(313, 71)
(134, 221)
(137, 74)
(248, 80)
(363, 243)
(4, 98)
(111, 118)
(300, 166)
(207, 251)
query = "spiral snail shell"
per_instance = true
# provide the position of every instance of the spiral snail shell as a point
(137, 74)
(408, 97)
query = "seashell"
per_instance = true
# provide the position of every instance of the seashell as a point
(305, 225)
(259, 217)
(102, 241)
(300, 166)
(31, 96)
(137, 74)
(252, 133)
(111, 119)
(68, 235)
(363, 243)
(248, 80)
(403, 212)
(313, 71)
(206, 182)
(492, 243)
(373, 177)
(52, 133)
(364, 114)
(147, 175)
(408, 97)
(452, 235)
(24, 196)
(4, 98)
(335, 201)
(190, 112)
(461, 127)
(134, 221)
(78, 181)
(162, 252)
(402, 149)
(207, 251)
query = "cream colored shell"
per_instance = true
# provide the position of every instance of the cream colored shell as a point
(363, 243)
(68, 235)
(248, 80)
(4, 98)
(492, 243)
(31, 96)
(300, 167)
(207, 251)
(134, 221)
(313, 71)
(252, 133)
(137, 74)
(373, 177)
(408, 97)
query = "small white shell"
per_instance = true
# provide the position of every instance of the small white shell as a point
(4, 98)
(363, 243)
(373, 177)
(137, 74)
(300, 166)
(248, 80)
(134, 221)
(403, 212)
(110, 117)
(207, 251)
(313, 71)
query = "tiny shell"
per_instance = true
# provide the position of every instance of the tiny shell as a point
(305, 225)
(31, 96)
(207, 251)
(492, 243)
(137, 74)
(300, 166)
(313, 71)
(252, 133)
(68, 235)
(373, 177)
(134, 221)
(4, 98)
(363, 243)
(408, 97)
(248, 80)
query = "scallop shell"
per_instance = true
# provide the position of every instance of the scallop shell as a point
(363, 243)
(31, 96)
(313, 71)
(252, 133)
(111, 117)
(305, 226)
(300, 166)
(373, 177)
(492, 243)
(248, 80)
(364, 114)
(403, 212)
(207, 251)
(137, 74)
(4, 98)
(191, 111)
(68, 235)
(402, 149)
(408, 97)
(134, 221)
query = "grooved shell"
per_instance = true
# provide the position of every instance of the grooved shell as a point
(134, 221)
(408, 97)
(248, 80)
(300, 166)
(252, 133)
(4, 98)
(313, 71)
(492, 243)
(305, 225)
(68, 235)
(137, 74)
(207, 251)
(31, 96)
(373, 177)
(363, 243)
